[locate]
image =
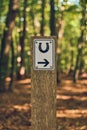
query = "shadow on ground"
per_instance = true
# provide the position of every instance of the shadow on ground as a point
(15, 107)
(72, 105)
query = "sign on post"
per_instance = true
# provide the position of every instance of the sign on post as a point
(43, 90)
(44, 54)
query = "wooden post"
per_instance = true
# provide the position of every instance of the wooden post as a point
(43, 92)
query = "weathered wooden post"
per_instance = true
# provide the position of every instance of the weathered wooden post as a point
(43, 93)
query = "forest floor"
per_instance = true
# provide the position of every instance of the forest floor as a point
(72, 105)
(15, 107)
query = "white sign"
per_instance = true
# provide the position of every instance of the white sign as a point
(44, 54)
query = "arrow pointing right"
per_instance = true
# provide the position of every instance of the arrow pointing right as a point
(45, 62)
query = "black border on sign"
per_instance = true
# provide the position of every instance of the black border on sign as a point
(53, 53)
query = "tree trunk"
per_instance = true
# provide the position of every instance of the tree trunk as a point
(80, 43)
(33, 20)
(6, 41)
(42, 16)
(52, 18)
(71, 59)
(22, 41)
(10, 88)
(78, 60)
(60, 35)
(81, 66)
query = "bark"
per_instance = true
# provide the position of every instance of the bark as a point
(78, 59)
(52, 18)
(71, 59)
(33, 20)
(22, 42)
(23, 34)
(10, 88)
(6, 41)
(80, 43)
(81, 66)
(60, 35)
(42, 17)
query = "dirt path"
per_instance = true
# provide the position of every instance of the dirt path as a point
(72, 105)
(15, 107)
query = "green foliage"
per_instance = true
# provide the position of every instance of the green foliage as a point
(71, 17)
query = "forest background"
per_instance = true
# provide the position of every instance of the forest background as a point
(19, 20)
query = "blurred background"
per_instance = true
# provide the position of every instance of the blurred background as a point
(19, 20)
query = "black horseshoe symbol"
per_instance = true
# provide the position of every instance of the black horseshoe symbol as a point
(47, 48)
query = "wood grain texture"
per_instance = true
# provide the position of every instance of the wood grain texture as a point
(43, 98)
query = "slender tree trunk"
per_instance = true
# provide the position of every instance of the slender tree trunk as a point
(52, 18)
(81, 66)
(10, 88)
(33, 20)
(78, 60)
(6, 41)
(71, 59)
(23, 35)
(80, 43)
(42, 16)
(22, 42)
(60, 35)
(53, 32)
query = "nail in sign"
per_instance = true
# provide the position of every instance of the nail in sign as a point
(44, 54)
